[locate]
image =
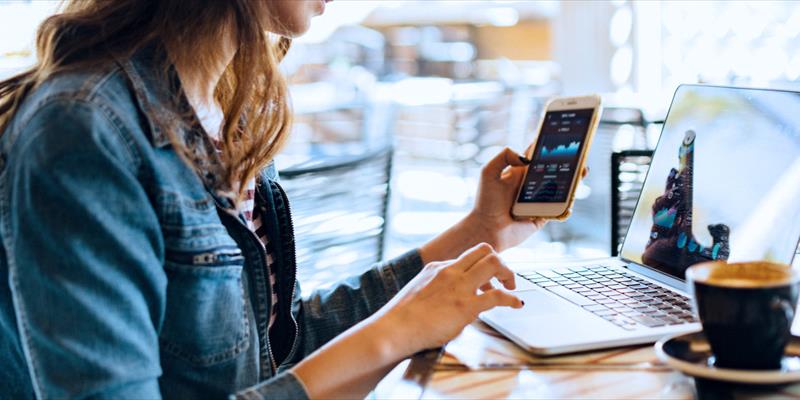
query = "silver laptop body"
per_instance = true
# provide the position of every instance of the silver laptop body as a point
(724, 183)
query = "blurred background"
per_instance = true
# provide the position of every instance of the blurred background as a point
(398, 104)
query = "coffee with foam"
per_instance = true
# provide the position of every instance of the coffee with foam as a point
(746, 310)
(755, 274)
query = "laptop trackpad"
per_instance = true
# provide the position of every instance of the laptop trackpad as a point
(548, 321)
(536, 304)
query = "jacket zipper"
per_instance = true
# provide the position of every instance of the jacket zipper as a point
(293, 252)
(263, 262)
(216, 258)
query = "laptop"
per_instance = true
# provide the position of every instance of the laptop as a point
(723, 184)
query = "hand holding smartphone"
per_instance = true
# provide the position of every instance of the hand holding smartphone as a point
(558, 157)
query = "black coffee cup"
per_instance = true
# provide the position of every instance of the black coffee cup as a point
(746, 310)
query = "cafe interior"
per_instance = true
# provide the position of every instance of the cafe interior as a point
(397, 105)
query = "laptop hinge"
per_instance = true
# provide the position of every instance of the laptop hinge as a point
(657, 276)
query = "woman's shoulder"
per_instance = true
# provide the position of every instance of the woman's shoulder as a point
(72, 108)
(102, 94)
(100, 86)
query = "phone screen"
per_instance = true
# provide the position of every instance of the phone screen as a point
(555, 157)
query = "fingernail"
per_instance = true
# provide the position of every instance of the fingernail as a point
(524, 160)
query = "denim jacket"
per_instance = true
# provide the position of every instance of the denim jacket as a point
(123, 276)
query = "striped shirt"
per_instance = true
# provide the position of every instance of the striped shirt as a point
(253, 219)
(211, 118)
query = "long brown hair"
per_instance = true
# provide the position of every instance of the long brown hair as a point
(252, 92)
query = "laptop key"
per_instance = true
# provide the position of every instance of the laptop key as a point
(571, 296)
(595, 286)
(537, 279)
(560, 271)
(605, 313)
(635, 285)
(647, 321)
(607, 272)
(548, 284)
(622, 321)
(573, 286)
(595, 307)
(549, 273)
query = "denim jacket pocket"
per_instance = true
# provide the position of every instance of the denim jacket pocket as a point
(206, 320)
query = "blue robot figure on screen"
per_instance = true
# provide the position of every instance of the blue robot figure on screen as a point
(672, 244)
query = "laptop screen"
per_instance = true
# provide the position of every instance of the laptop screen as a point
(724, 182)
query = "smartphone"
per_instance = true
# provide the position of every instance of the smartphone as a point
(557, 157)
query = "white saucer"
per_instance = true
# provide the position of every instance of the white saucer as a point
(691, 354)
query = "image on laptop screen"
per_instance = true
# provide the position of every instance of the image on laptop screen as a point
(724, 182)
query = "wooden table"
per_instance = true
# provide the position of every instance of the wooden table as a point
(481, 363)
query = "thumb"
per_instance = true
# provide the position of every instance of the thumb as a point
(503, 159)
(496, 297)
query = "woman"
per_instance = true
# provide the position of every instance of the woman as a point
(147, 247)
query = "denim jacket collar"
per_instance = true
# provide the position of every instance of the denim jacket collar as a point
(152, 92)
(154, 82)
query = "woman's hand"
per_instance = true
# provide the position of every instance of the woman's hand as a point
(444, 297)
(490, 220)
(491, 214)
(430, 310)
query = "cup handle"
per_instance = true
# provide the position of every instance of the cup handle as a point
(784, 305)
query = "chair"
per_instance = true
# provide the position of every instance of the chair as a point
(628, 170)
(339, 209)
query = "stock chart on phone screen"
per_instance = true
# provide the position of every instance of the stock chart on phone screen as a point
(556, 156)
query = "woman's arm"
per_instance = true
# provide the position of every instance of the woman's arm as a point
(433, 308)
(326, 313)
(81, 251)
(490, 220)
(428, 312)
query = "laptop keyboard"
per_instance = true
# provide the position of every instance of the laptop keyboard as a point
(623, 299)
